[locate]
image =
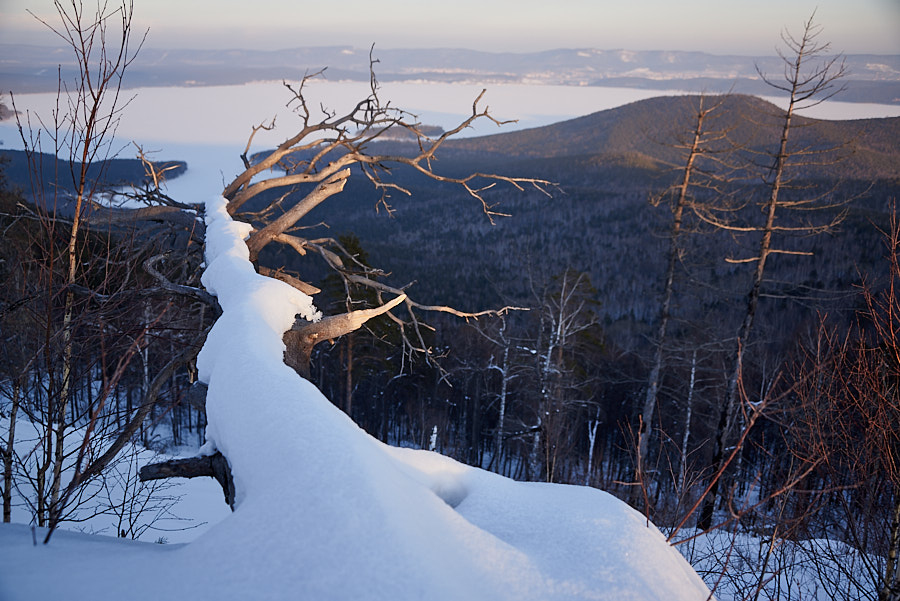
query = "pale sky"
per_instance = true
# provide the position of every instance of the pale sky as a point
(717, 26)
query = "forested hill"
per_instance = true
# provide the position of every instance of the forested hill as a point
(608, 165)
(18, 169)
(647, 131)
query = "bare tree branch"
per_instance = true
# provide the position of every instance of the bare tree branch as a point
(301, 339)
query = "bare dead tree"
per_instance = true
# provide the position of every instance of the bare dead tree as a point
(316, 163)
(320, 157)
(810, 77)
(703, 144)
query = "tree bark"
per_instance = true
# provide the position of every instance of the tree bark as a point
(300, 341)
(297, 283)
(8, 455)
(665, 309)
(214, 466)
(320, 193)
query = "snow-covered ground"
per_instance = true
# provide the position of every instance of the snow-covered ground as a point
(324, 511)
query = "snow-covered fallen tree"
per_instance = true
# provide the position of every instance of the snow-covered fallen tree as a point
(361, 520)
(324, 511)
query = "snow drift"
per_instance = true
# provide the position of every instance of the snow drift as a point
(324, 511)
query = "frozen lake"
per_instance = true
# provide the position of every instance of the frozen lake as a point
(209, 126)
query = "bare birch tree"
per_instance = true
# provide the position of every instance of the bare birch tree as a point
(82, 129)
(566, 312)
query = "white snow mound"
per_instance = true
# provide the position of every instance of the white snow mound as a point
(324, 511)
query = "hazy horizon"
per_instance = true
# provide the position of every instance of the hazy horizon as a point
(738, 28)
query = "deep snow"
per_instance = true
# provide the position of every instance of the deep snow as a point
(324, 511)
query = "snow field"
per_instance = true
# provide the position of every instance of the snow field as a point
(324, 511)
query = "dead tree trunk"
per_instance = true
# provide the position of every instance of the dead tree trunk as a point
(805, 88)
(696, 148)
(213, 466)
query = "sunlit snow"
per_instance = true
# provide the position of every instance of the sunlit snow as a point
(324, 511)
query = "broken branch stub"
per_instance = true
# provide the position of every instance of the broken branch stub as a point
(303, 337)
(214, 466)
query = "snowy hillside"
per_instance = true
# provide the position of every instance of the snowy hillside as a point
(324, 511)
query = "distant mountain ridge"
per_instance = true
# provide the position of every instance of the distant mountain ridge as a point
(645, 132)
(873, 78)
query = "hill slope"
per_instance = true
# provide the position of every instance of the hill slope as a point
(651, 127)
(608, 164)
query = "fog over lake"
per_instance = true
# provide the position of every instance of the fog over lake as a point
(209, 126)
